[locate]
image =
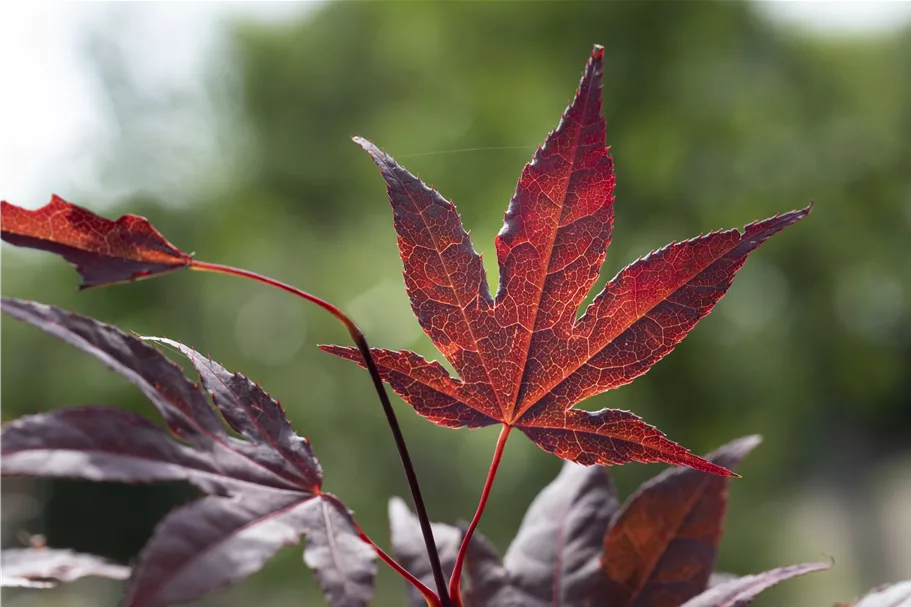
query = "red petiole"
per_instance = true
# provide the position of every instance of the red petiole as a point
(455, 580)
(432, 599)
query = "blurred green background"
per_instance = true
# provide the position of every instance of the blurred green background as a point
(716, 116)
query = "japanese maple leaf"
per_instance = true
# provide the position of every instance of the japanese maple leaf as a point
(888, 595)
(43, 567)
(262, 488)
(103, 251)
(578, 547)
(523, 357)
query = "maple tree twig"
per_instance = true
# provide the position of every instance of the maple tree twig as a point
(358, 336)
(456, 579)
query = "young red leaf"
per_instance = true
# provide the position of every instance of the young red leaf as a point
(522, 357)
(890, 595)
(740, 592)
(265, 489)
(45, 567)
(660, 549)
(554, 558)
(103, 251)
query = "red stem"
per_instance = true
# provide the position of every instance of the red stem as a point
(427, 593)
(204, 266)
(456, 579)
(358, 336)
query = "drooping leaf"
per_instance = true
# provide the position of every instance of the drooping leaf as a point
(660, 550)
(523, 357)
(554, 558)
(103, 251)
(45, 567)
(264, 489)
(890, 595)
(409, 549)
(740, 592)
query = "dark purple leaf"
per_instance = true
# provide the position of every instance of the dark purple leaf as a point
(265, 488)
(489, 583)
(661, 548)
(890, 595)
(251, 412)
(183, 407)
(218, 540)
(554, 558)
(485, 582)
(101, 444)
(45, 567)
(409, 549)
(740, 592)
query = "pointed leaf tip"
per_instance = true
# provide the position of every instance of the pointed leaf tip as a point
(530, 356)
(263, 486)
(680, 511)
(741, 591)
(42, 567)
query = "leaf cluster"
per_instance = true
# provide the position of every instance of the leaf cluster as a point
(524, 359)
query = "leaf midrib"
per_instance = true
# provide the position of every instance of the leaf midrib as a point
(465, 319)
(516, 414)
(673, 532)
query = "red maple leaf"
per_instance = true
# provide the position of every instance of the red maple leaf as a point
(523, 357)
(103, 251)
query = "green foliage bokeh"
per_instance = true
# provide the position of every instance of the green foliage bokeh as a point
(715, 118)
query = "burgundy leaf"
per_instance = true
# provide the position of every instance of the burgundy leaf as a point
(215, 541)
(555, 555)
(102, 444)
(485, 582)
(44, 567)
(890, 595)
(660, 549)
(103, 251)
(741, 591)
(265, 487)
(251, 412)
(489, 583)
(182, 406)
(523, 358)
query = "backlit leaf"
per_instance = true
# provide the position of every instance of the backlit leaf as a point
(103, 251)
(660, 549)
(522, 356)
